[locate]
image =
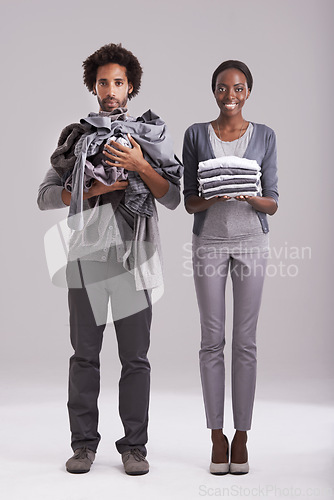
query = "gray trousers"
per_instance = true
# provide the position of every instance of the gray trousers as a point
(210, 273)
(88, 306)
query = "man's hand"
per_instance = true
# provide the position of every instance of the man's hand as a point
(127, 158)
(96, 188)
(99, 188)
(133, 159)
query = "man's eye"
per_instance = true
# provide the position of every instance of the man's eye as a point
(102, 84)
(118, 84)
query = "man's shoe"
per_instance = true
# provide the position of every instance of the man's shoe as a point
(81, 461)
(135, 464)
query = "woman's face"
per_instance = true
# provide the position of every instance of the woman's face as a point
(231, 91)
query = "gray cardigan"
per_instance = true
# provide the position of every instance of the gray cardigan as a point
(261, 147)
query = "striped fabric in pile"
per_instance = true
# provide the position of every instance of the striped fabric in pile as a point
(228, 176)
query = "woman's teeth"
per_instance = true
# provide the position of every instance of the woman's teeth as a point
(230, 106)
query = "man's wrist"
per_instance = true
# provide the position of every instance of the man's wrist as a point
(144, 167)
(87, 194)
(66, 197)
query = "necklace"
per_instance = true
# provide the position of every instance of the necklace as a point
(236, 146)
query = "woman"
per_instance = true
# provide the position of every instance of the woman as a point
(230, 232)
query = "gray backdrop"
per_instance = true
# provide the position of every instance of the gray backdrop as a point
(288, 47)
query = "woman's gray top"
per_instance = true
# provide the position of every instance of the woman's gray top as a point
(232, 222)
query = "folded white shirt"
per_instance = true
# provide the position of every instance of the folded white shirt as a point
(229, 162)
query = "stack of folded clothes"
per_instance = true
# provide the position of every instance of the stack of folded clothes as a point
(229, 176)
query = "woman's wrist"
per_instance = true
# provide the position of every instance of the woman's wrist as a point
(196, 204)
(263, 204)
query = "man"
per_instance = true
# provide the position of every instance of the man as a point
(114, 248)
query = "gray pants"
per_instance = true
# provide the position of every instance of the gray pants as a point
(210, 273)
(88, 306)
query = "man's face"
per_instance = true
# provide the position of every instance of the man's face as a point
(112, 87)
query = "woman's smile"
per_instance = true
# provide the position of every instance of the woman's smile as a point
(230, 105)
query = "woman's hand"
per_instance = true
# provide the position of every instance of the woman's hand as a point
(196, 204)
(263, 204)
(242, 197)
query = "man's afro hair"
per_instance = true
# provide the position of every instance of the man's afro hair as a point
(113, 53)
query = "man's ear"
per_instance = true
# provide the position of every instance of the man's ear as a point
(130, 88)
(94, 90)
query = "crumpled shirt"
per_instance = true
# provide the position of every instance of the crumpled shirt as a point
(150, 133)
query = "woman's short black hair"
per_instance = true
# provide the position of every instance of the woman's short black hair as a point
(113, 53)
(236, 65)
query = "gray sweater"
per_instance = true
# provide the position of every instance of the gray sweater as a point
(147, 270)
(261, 147)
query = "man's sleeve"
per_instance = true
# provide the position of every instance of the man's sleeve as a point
(172, 198)
(49, 192)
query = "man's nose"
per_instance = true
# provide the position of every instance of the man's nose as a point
(111, 90)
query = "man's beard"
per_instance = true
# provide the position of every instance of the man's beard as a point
(114, 104)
